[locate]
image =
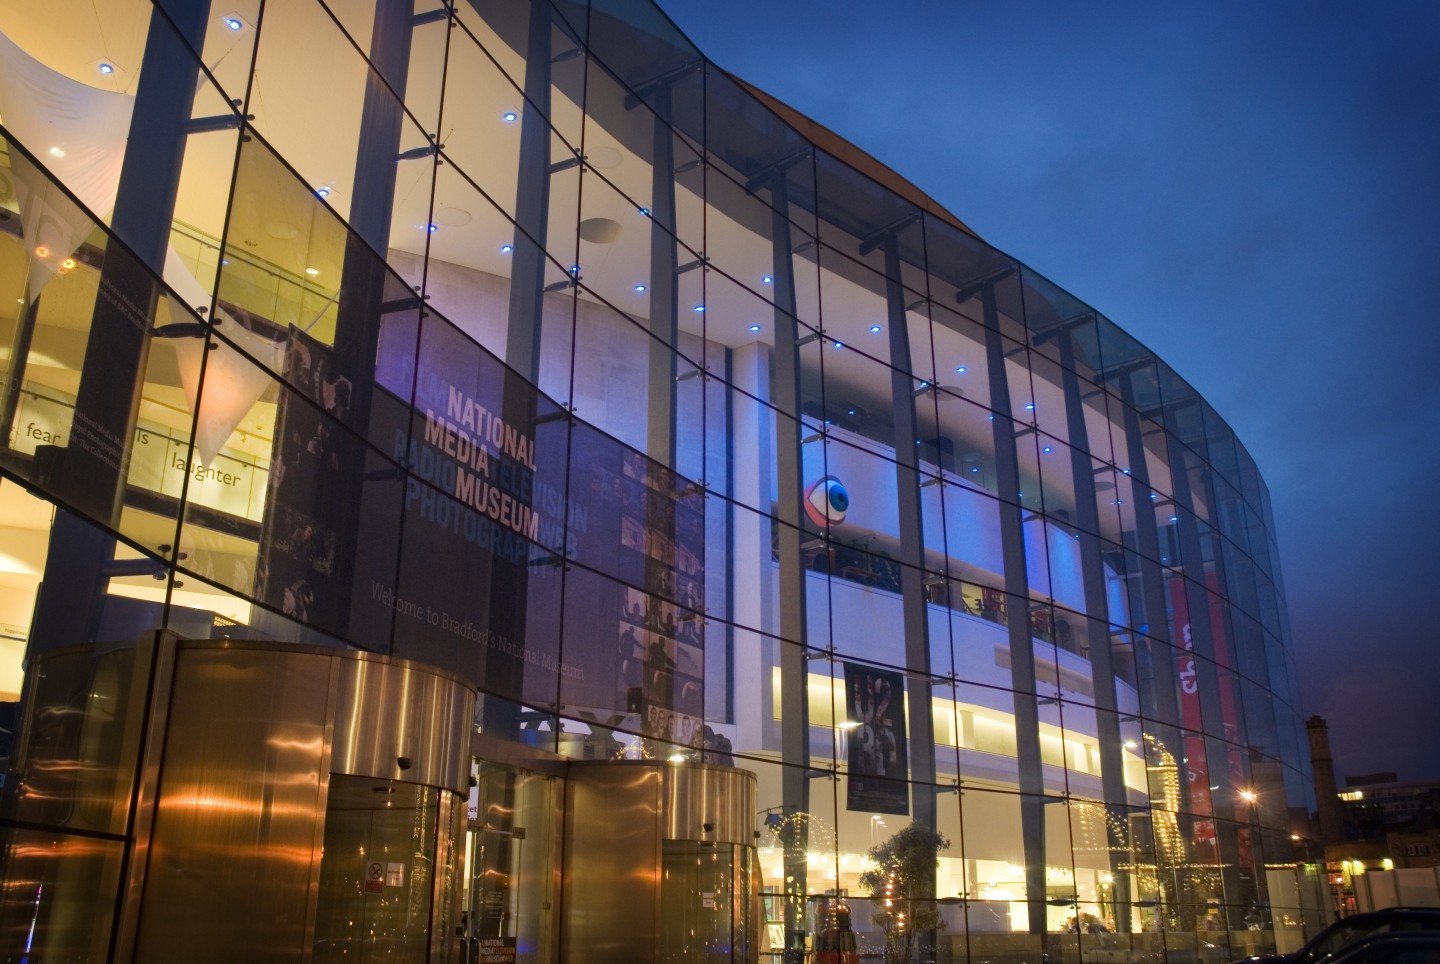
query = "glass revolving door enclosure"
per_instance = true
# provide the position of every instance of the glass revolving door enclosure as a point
(241, 801)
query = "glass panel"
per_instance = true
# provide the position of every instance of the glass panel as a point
(59, 894)
(377, 875)
(702, 909)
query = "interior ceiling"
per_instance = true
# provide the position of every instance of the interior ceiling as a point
(289, 230)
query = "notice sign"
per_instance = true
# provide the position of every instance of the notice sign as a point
(495, 950)
(374, 877)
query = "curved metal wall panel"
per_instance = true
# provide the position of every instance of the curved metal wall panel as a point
(241, 807)
(400, 720)
(619, 815)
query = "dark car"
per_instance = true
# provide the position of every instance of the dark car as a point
(1399, 947)
(1348, 932)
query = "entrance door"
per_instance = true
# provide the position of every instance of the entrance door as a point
(704, 902)
(510, 861)
(377, 878)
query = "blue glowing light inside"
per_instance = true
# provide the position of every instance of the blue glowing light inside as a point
(875, 329)
(1174, 518)
(975, 469)
(960, 369)
(767, 280)
(639, 287)
(506, 248)
(754, 327)
(644, 212)
(509, 117)
(700, 308)
(234, 23)
(323, 191)
(106, 69)
(574, 269)
(1030, 407)
(432, 228)
(1048, 449)
(839, 344)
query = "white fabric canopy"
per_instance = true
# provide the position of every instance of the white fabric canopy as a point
(233, 383)
(79, 133)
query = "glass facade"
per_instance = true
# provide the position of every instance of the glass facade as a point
(517, 339)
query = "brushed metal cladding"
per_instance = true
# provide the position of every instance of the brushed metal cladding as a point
(393, 712)
(242, 788)
(612, 844)
(698, 796)
(619, 814)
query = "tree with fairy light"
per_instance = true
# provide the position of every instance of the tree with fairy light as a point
(902, 886)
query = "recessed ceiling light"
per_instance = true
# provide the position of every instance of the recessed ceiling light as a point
(639, 287)
(767, 280)
(700, 308)
(509, 117)
(432, 228)
(57, 152)
(960, 369)
(506, 248)
(323, 191)
(644, 212)
(234, 23)
(1030, 407)
(839, 344)
(1048, 449)
(105, 68)
(754, 327)
(875, 329)
(312, 272)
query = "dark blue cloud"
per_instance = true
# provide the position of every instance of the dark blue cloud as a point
(1253, 190)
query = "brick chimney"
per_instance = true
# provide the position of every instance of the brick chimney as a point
(1331, 815)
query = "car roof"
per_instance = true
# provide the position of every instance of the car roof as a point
(1391, 912)
(1398, 941)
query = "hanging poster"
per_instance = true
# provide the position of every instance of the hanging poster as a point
(875, 740)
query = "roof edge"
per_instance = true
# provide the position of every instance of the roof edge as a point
(835, 145)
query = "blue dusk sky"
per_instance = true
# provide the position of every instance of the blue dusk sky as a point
(1253, 191)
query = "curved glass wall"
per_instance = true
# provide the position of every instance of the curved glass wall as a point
(519, 339)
